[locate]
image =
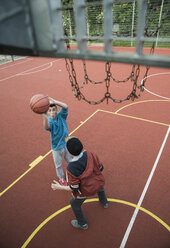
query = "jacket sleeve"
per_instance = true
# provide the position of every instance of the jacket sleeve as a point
(99, 164)
(73, 182)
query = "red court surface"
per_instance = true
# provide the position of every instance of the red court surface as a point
(131, 138)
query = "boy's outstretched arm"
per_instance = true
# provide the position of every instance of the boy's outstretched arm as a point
(60, 104)
(56, 185)
(45, 121)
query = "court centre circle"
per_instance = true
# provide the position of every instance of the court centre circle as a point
(152, 93)
(93, 200)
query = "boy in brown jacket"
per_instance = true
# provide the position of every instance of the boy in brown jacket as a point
(84, 179)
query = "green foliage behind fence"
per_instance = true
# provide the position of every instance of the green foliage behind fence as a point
(125, 16)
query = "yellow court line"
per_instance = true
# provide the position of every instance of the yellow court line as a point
(93, 200)
(134, 103)
(32, 165)
(40, 158)
(47, 154)
(83, 122)
(43, 224)
(12, 184)
(36, 161)
(144, 210)
(136, 118)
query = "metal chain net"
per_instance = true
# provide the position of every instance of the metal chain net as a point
(134, 75)
(137, 88)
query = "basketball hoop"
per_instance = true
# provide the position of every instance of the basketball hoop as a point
(137, 88)
(135, 93)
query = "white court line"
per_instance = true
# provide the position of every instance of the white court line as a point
(128, 230)
(31, 72)
(152, 93)
(6, 67)
(21, 73)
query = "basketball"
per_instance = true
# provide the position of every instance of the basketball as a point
(39, 103)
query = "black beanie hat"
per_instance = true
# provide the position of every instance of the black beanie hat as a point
(74, 146)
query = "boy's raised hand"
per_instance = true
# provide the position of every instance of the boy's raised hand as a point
(51, 100)
(58, 103)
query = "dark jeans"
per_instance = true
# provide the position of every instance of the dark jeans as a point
(76, 206)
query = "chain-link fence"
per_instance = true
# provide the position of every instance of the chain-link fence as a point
(8, 58)
(125, 17)
(136, 23)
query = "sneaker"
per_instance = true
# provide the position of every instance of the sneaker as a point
(106, 205)
(76, 225)
(63, 182)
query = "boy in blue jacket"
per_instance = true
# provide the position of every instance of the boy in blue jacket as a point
(56, 123)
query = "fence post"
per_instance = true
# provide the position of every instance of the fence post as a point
(160, 17)
(142, 9)
(133, 16)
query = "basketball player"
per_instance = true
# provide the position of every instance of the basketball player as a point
(56, 122)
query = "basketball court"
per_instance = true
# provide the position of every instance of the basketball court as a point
(118, 111)
(131, 139)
